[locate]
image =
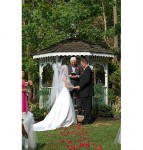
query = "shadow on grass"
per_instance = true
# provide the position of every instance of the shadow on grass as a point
(40, 146)
(93, 119)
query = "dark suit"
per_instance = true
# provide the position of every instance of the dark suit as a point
(75, 82)
(86, 93)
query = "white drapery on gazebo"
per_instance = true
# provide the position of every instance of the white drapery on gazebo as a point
(95, 54)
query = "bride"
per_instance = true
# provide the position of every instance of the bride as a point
(62, 113)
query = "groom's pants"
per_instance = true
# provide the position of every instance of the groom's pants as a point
(87, 106)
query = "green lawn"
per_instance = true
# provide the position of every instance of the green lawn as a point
(97, 136)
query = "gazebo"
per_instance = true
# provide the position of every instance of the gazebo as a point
(95, 53)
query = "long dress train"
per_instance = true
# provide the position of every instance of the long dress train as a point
(62, 114)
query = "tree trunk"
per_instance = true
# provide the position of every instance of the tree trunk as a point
(28, 54)
(30, 96)
(115, 22)
(23, 1)
(33, 93)
(105, 21)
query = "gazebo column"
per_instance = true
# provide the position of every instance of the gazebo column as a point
(40, 83)
(94, 76)
(106, 83)
(40, 75)
(43, 62)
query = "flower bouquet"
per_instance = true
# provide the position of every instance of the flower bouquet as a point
(28, 85)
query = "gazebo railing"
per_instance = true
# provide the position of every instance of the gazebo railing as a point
(74, 98)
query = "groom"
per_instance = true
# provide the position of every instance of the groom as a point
(86, 91)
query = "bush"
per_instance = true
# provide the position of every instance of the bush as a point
(117, 107)
(105, 111)
(43, 95)
(39, 114)
(99, 92)
(111, 96)
(102, 110)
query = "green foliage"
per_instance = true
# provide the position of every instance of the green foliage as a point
(105, 111)
(117, 107)
(111, 32)
(31, 66)
(99, 93)
(28, 64)
(115, 90)
(102, 110)
(47, 22)
(43, 94)
(47, 75)
(111, 96)
(115, 79)
(39, 114)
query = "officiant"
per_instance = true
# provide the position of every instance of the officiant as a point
(74, 73)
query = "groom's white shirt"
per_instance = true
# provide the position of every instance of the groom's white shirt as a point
(85, 67)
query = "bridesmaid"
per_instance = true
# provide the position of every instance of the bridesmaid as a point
(24, 96)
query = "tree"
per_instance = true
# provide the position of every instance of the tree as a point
(47, 22)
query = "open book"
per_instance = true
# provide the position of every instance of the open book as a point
(73, 73)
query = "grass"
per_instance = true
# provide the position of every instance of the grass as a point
(97, 136)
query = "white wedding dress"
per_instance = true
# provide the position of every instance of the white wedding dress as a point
(62, 113)
(118, 137)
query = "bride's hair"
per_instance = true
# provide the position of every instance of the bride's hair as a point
(64, 77)
(60, 80)
(64, 70)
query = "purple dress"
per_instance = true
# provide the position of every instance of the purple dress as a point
(24, 99)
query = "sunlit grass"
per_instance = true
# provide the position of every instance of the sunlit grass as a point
(99, 135)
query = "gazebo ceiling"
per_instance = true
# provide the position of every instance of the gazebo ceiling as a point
(70, 47)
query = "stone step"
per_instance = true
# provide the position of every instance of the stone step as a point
(80, 118)
(76, 111)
